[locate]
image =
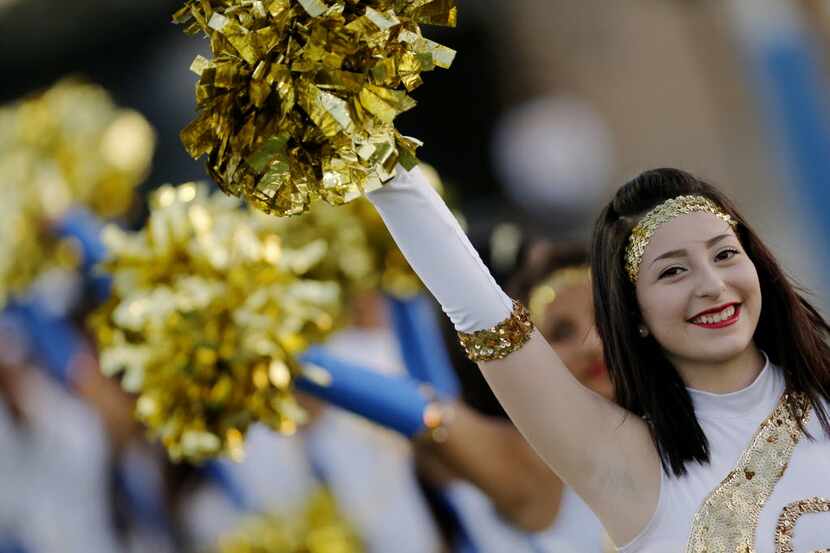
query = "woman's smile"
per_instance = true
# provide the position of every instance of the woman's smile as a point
(719, 317)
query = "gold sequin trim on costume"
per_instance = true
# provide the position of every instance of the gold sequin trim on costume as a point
(786, 522)
(727, 520)
(501, 340)
(643, 231)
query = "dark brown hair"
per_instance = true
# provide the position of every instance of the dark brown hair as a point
(546, 258)
(790, 330)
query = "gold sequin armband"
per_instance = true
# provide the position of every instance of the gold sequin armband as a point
(501, 340)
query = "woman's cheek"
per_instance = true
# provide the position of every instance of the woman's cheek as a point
(675, 302)
(661, 309)
(751, 283)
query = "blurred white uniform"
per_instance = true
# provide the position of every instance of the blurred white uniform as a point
(575, 530)
(53, 473)
(368, 469)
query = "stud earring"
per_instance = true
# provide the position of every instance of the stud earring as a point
(643, 331)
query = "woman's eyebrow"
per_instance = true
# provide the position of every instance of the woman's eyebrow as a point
(712, 241)
(681, 253)
(672, 253)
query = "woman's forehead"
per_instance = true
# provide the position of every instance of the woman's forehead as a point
(573, 297)
(684, 232)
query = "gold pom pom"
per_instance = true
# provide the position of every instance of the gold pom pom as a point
(299, 100)
(68, 146)
(207, 315)
(318, 528)
(358, 250)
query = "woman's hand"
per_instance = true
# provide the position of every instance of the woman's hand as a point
(491, 454)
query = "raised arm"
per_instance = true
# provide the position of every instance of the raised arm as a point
(606, 455)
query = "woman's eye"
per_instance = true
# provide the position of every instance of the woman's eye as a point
(726, 254)
(670, 272)
(561, 330)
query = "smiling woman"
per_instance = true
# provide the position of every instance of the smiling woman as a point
(695, 291)
(692, 351)
(703, 449)
(686, 295)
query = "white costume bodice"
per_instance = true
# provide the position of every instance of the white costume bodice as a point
(734, 500)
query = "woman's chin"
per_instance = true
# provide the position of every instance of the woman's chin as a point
(715, 352)
(601, 385)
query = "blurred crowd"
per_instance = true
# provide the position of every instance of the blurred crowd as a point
(549, 105)
(81, 475)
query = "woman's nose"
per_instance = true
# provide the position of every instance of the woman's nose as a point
(592, 341)
(710, 282)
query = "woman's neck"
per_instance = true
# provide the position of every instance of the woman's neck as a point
(722, 377)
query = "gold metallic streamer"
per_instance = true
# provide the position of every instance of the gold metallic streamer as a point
(318, 528)
(67, 146)
(299, 99)
(359, 251)
(208, 312)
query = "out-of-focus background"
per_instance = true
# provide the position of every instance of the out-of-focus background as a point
(548, 108)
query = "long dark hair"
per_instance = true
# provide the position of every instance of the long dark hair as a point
(790, 330)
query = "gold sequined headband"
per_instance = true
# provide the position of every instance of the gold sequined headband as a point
(543, 294)
(663, 213)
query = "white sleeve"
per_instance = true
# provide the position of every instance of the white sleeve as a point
(440, 252)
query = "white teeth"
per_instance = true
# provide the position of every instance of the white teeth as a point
(716, 318)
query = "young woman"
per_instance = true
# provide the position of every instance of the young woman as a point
(555, 285)
(719, 440)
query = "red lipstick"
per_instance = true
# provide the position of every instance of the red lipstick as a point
(597, 369)
(720, 324)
